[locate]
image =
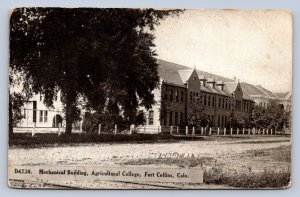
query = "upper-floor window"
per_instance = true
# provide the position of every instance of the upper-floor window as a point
(204, 99)
(182, 96)
(223, 103)
(171, 95)
(208, 101)
(176, 95)
(213, 101)
(219, 102)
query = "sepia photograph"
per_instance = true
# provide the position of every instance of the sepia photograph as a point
(119, 98)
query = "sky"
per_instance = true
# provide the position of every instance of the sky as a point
(255, 46)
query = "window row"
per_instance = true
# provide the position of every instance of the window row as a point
(173, 118)
(174, 95)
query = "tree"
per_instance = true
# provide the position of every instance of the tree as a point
(103, 55)
(272, 117)
(196, 117)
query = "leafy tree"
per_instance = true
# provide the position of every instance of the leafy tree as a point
(196, 117)
(103, 55)
(273, 117)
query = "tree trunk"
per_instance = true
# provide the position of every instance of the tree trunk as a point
(69, 121)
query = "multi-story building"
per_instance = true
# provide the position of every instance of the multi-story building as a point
(222, 99)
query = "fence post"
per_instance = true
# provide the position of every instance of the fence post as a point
(267, 132)
(202, 132)
(33, 130)
(209, 130)
(193, 131)
(243, 131)
(231, 131)
(80, 126)
(115, 131)
(171, 130)
(177, 129)
(59, 129)
(144, 129)
(249, 131)
(99, 129)
(263, 132)
(272, 132)
(218, 133)
(237, 131)
(186, 130)
(254, 131)
(224, 131)
(258, 131)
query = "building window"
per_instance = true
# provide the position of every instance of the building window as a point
(181, 118)
(45, 116)
(213, 101)
(171, 95)
(182, 96)
(191, 95)
(218, 121)
(171, 118)
(166, 96)
(219, 102)
(165, 118)
(208, 102)
(41, 97)
(176, 118)
(223, 104)
(176, 95)
(204, 99)
(41, 116)
(151, 115)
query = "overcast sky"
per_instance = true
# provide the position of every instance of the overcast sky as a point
(252, 45)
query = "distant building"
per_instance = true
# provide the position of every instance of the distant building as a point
(36, 113)
(285, 100)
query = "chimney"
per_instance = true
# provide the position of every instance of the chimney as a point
(220, 83)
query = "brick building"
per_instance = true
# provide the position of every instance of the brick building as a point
(222, 97)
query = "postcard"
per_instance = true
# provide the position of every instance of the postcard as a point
(104, 98)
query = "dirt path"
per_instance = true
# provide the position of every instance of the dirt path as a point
(232, 154)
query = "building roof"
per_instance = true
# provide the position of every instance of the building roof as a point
(231, 86)
(268, 92)
(185, 75)
(178, 75)
(283, 95)
(252, 90)
(169, 72)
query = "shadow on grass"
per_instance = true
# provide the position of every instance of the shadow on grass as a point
(25, 140)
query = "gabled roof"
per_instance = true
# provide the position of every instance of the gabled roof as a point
(185, 75)
(284, 95)
(268, 92)
(178, 75)
(252, 90)
(231, 86)
(169, 72)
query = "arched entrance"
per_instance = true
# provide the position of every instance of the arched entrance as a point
(57, 120)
